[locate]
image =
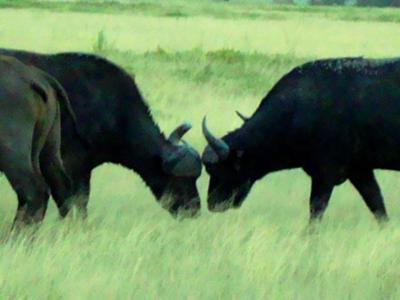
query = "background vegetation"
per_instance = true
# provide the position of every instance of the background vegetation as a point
(191, 59)
(154, 4)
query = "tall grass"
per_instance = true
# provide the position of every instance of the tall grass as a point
(132, 249)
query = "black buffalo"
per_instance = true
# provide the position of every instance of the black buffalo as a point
(337, 119)
(30, 137)
(118, 125)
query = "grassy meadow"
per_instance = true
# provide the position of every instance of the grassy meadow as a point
(191, 59)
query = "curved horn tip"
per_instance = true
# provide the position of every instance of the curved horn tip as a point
(179, 132)
(186, 125)
(203, 123)
(205, 130)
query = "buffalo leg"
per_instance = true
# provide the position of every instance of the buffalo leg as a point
(30, 186)
(37, 145)
(54, 172)
(32, 193)
(21, 210)
(368, 187)
(81, 198)
(320, 194)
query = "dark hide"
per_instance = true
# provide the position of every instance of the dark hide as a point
(337, 119)
(30, 138)
(113, 117)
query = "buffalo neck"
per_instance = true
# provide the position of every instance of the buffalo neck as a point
(144, 145)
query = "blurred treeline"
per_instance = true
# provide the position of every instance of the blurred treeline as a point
(378, 3)
(362, 3)
(146, 5)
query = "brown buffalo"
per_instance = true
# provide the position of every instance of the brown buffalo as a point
(30, 128)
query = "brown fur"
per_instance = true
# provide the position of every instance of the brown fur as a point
(30, 130)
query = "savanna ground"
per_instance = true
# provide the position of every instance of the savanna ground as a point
(191, 59)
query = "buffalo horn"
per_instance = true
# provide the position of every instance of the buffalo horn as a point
(179, 132)
(218, 145)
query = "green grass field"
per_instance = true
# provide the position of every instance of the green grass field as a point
(211, 58)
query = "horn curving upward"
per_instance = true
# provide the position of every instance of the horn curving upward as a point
(179, 132)
(218, 145)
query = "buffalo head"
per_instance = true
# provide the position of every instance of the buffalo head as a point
(229, 180)
(182, 166)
